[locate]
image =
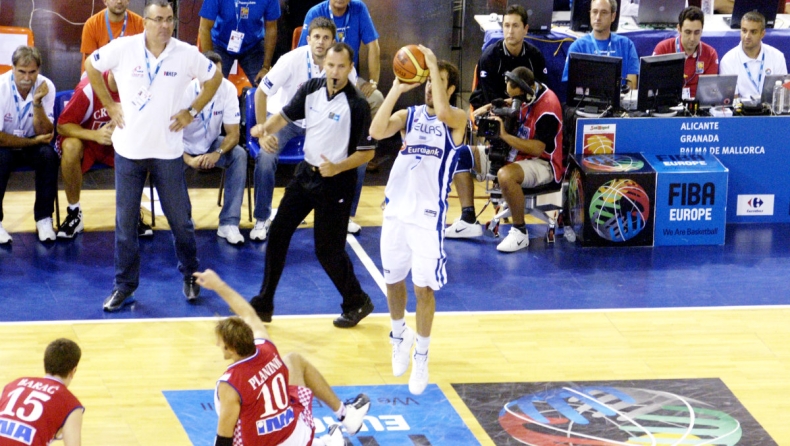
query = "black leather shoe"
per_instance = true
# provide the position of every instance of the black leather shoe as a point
(352, 318)
(191, 288)
(116, 300)
(266, 317)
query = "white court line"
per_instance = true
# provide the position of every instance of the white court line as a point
(368, 262)
(443, 313)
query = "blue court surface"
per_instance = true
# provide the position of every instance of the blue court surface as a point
(69, 280)
(396, 417)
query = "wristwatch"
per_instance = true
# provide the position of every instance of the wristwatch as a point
(192, 111)
(374, 83)
(219, 151)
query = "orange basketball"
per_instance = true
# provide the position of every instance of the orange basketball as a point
(409, 65)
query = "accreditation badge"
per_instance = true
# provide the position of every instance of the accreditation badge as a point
(234, 45)
(700, 67)
(141, 98)
(245, 12)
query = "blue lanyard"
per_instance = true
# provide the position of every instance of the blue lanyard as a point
(205, 122)
(678, 49)
(608, 47)
(148, 67)
(107, 20)
(309, 66)
(347, 15)
(759, 76)
(21, 114)
(237, 10)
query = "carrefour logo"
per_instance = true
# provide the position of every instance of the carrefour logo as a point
(755, 205)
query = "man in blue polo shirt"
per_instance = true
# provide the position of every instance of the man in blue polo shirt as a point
(604, 42)
(234, 29)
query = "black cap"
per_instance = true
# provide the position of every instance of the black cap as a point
(522, 77)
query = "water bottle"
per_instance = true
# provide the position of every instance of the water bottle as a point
(707, 7)
(778, 103)
(786, 109)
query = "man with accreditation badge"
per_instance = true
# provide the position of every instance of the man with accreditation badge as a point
(27, 102)
(412, 233)
(152, 71)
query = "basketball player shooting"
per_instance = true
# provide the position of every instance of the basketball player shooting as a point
(412, 233)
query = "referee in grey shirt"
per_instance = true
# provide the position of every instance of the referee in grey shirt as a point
(337, 118)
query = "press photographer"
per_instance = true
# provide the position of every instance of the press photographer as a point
(530, 151)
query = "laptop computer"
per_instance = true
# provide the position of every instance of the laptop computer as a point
(539, 15)
(659, 13)
(580, 16)
(716, 89)
(767, 97)
(768, 8)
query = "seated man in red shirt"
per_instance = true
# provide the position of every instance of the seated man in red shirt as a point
(85, 138)
(265, 398)
(37, 411)
(701, 58)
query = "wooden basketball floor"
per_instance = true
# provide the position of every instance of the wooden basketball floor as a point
(127, 364)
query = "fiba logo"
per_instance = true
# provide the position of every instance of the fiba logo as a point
(612, 163)
(619, 210)
(755, 203)
(600, 414)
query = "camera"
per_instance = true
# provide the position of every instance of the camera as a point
(488, 129)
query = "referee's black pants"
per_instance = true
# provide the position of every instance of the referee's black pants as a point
(331, 199)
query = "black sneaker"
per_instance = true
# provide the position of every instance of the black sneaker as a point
(352, 318)
(191, 288)
(143, 229)
(72, 225)
(116, 300)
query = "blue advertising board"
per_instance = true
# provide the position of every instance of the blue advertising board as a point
(691, 199)
(753, 149)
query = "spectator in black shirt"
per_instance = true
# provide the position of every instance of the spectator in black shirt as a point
(506, 55)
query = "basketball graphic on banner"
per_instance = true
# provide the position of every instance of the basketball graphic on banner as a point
(598, 144)
(619, 210)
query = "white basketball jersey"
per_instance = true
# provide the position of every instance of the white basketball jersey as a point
(420, 178)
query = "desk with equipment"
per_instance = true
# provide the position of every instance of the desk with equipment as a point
(554, 45)
(753, 149)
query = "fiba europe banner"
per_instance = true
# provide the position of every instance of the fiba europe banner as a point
(753, 149)
(691, 199)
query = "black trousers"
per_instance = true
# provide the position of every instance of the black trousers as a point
(331, 199)
(44, 160)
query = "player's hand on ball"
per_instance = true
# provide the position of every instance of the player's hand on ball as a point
(403, 87)
(430, 58)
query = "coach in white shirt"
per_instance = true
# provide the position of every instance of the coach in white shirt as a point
(27, 101)
(205, 148)
(152, 71)
(275, 90)
(752, 60)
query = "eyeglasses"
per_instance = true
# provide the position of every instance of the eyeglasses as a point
(161, 20)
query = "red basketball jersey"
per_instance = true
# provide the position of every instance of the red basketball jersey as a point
(32, 411)
(268, 415)
(85, 109)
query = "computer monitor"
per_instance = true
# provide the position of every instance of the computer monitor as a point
(580, 16)
(767, 8)
(594, 80)
(660, 82)
(659, 12)
(539, 15)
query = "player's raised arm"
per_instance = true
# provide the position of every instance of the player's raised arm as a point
(454, 117)
(385, 123)
(210, 280)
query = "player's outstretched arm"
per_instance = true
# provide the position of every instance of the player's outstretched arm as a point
(210, 280)
(386, 124)
(455, 118)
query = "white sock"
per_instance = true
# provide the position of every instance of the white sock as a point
(340, 413)
(74, 206)
(398, 327)
(422, 345)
